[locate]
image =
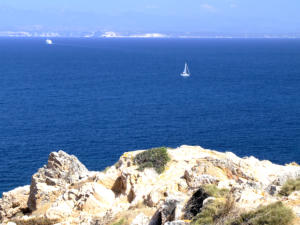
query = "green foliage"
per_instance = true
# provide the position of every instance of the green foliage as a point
(211, 212)
(120, 222)
(208, 213)
(156, 158)
(290, 186)
(213, 191)
(273, 214)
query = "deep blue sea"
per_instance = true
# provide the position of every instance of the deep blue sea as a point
(97, 98)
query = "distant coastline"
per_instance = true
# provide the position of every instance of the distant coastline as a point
(112, 34)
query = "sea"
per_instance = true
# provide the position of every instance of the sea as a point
(97, 98)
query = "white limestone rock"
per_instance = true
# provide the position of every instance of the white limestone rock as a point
(141, 219)
(62, 170)
(66, 193)
(13, 202)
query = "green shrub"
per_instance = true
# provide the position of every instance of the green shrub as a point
(208, 213)
(213, 191)
(120, 222)
(290, 186)
(156, 158)
(273, 214)
(212, 212)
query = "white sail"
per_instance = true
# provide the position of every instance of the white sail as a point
(185, 68)
(186, 72)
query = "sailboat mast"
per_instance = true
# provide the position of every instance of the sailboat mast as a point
(185, 72)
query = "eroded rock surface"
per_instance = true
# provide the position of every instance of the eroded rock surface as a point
(64, 192)
(54, 178)
(14, 202)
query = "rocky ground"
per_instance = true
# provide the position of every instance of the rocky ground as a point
(64, 192)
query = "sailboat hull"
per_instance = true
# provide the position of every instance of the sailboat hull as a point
(185, 75)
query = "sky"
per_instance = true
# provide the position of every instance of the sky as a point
(200, 16)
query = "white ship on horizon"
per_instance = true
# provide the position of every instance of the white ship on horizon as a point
(49, 42)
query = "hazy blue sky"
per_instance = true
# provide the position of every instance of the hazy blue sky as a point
(219, 16)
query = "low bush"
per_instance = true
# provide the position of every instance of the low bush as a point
(273, 214)
(213, 191)
(290, 186)
(208, 213)
(156, 158)
(120, 222)
(213, 211)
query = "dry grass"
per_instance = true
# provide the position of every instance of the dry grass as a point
(290, 186)
(214, 212)
(121, 222)
(214, 191)
(272, 214)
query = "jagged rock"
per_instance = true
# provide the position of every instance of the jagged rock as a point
(272, 189)
(165, 213)
(153, 198)
(64, 192)
(13, 202)
(195, 179)
(62, 170)
(94, 198)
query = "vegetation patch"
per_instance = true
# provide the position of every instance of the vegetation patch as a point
(212, 211)
(156, 158)
(120, 222)
(290, 186)
(213, 191)
(273, 214)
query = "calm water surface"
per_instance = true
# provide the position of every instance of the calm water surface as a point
(97, 98)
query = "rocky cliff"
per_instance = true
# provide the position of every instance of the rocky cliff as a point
(64, 192)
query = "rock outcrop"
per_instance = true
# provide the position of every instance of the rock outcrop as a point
(54, 178)
(64, 192)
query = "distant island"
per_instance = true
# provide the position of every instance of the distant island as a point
(186, 185)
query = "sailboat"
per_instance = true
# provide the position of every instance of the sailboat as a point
(186, 72)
